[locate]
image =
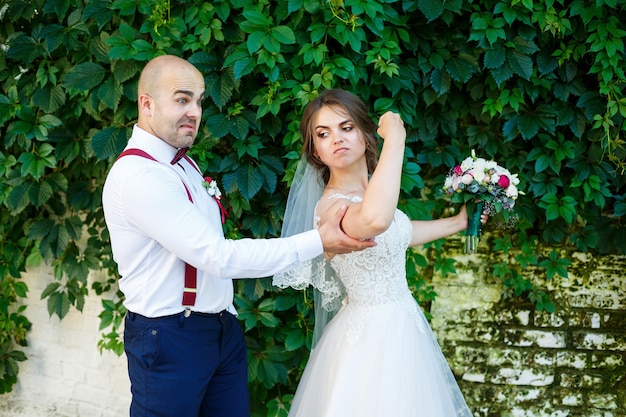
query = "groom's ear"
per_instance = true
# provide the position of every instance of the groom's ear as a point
(145, 104)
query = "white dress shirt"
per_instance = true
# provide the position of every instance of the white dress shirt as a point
(155, 229)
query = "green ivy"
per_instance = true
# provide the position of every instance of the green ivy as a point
(535, 85)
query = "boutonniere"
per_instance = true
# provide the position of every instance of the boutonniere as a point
(214, 191)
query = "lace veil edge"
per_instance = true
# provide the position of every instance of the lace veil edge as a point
(305, 192)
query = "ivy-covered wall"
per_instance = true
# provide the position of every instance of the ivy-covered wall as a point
(535, 85)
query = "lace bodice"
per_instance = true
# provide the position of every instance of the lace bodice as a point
(377, 275)
(360, 281)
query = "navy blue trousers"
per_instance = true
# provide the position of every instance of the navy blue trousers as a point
(187, 366)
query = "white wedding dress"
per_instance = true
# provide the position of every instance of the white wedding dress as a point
(378, 356)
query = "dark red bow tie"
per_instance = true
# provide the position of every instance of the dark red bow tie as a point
(181, 152)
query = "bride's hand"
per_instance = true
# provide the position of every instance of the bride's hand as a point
(483, 217)
(391, 127)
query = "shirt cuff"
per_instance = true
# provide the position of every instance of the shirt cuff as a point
(308, 245)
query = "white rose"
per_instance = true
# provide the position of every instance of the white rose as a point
(479, 170)
(467, 164)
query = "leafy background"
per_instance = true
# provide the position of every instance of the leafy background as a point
(536, 85)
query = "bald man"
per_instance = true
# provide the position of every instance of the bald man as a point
(185, 348)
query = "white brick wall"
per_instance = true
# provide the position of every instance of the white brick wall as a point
(65, 375)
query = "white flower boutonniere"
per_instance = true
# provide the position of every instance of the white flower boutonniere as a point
(212, 188)
(214, 191)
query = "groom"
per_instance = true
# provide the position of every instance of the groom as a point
(185, 348)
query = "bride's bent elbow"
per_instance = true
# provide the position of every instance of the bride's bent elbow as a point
(368, 230)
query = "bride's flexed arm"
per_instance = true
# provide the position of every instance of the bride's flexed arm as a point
(374, 215)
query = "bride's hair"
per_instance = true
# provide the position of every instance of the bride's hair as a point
(357, 112)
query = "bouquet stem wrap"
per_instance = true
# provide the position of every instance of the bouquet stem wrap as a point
(472, 235)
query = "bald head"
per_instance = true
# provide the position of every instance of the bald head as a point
(170, 94)
(159, 69)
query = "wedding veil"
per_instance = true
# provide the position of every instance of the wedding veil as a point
(306, 190)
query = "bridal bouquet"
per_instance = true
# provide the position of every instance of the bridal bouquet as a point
(483, 186)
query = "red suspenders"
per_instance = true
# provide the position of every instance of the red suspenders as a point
(191, 273)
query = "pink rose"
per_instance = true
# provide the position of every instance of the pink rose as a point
(503, 181)
(458, 170)
(455, 183)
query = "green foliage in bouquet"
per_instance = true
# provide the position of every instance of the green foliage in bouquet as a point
(536, 86)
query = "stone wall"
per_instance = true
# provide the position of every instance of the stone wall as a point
(516, 361)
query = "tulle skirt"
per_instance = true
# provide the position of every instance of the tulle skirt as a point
(381, 362)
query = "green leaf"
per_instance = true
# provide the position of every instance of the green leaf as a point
(40, 193)
(462, 67)
(255, 41)
(99, 11)
(124, 70)
(255, 20)
(295, 339)
(218, 125)
(432, 9)
(495, 57)
(109, 142)
(51, 288)
(50, 98)
(110, 93)
(35, 164)
(221, 88)
(18, 197)
(249, 181)
(521, 64)
(567, 209)
(23, 48)
(84, 77)
(74, 227)
(53, 34)
(239, 128)
(528, 125)
(440, 81)
(59, 304)
(555, 265)
(106, 319)
(269, 178)
(502, 74)
(244, 67)
(283, 34)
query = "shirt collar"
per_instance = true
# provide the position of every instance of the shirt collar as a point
(155, 146)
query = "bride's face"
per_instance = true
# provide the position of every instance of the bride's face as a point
(338, 142)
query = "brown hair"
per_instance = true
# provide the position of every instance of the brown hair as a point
(356, 110)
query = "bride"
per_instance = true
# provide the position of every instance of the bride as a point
(377, 356)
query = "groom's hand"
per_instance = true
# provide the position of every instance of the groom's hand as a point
(335, 240)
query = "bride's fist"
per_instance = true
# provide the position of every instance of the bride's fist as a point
(391, 127)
